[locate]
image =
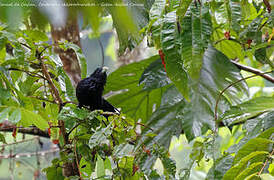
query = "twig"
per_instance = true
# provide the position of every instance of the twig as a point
(56, 96)
(265, 163)
(144, 126)
(254, 71)
(31, 131)
(77, 163)
(69, 102)
(221, 93)
(55, 92)
(42, 99)
(72, 129)
(27, 72)
(27, 46)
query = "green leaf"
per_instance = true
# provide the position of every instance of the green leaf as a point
(154, 76)
(2, 139)
(171, 49)
(100, 168)
(254, 128)
(80, 57)
(125, 26)
(138, 10)
(164, 123)
(234, 14)
(54, 173)
(252, 146)
(29, 118)
(253, 168)
(91, 14)
(125, 93)
(183, 8)
(247, 110)
(196, 32)
(222, 165)
(232, 49)
(100, 136)
(245, 163)
(4, 114)
(36, 36)
(15, 115)
(85, 168)
(123, 150)
(70, 90)
(157, 9)
(216, 74)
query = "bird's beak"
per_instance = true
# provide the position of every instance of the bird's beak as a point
(104, 69)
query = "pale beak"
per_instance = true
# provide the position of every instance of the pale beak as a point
(104, 69)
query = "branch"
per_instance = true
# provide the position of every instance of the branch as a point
(32, 131)
(27, 72)
(265, 163)
(254, 71)
(55, 92)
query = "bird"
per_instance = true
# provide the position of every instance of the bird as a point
(89, 92)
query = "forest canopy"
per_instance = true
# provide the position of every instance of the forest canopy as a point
(192, 79)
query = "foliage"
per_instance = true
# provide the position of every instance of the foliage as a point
(192, 87)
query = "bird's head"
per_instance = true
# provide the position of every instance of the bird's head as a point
(100, 74)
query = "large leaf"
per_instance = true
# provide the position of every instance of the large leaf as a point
(125, 93)
(196, 32)
(155, 15)
(254, 127)
(229, 14)
(221, 166)
(163, 124)
(154, 76)
(171, 49)
(216, 74)
(247, 110)
(246, 162)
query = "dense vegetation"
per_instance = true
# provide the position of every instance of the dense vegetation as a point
(210, 83)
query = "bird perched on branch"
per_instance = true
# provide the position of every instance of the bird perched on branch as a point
(89, 92)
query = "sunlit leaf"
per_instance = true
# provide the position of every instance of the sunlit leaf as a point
(216, 74)
(247, 110)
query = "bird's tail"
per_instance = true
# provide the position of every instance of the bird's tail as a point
(109, 108)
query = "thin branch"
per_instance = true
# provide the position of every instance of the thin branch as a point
(32, 131)
(74, 127)
(265, 163)
(254, 71)
(221, 93)
(27, 72)
(56, 95)
(77, 163)
(42, 99)
(55, 92)
(27, 46)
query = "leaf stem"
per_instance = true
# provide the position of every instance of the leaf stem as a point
(265, 163)
(222, 92)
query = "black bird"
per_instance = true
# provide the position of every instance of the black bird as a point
(89, 92)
